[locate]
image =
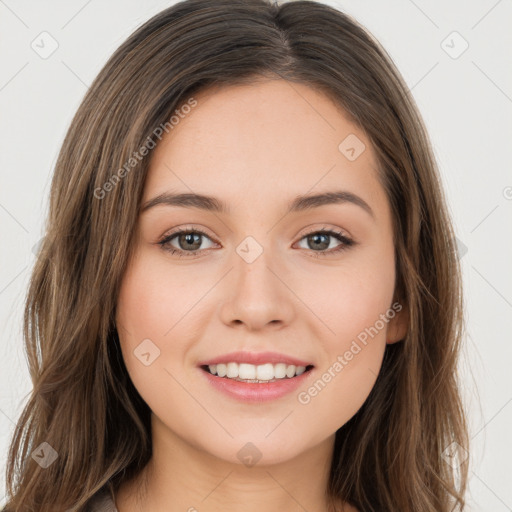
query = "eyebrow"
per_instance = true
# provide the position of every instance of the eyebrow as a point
(298, 204)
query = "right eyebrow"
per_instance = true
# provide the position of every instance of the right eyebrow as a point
(187, 200)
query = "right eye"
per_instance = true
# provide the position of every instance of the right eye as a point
(189, 237)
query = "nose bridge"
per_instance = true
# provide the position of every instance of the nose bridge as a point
(257, 295)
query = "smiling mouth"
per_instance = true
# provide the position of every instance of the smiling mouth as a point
(261, 374)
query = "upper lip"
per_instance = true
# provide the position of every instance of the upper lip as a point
(255, 358)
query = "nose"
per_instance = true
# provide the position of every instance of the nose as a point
(256, 296)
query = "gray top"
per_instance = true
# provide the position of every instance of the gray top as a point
(102, 501)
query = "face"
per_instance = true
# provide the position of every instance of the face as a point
(313, 284)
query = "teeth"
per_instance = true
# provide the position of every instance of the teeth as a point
(250, 372)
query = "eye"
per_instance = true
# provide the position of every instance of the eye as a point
(320, 240)
(187, 239)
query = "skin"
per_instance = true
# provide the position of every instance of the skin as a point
(256, 148)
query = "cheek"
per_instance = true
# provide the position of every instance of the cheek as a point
(360, 304)
(354, 306)
(153, 321)
(348, 301)
(151, 308)
(154, 299)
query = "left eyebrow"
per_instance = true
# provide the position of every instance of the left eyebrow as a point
(301, 203)
(298, 204)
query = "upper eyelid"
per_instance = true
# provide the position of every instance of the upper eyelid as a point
(187, 229)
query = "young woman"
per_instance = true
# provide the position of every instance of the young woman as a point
(248, 296)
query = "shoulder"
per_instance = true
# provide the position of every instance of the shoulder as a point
(102, 501)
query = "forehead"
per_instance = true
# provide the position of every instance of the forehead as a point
(262, 142)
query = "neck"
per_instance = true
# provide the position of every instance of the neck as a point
(182, 477)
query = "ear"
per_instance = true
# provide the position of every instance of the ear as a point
(398, 325)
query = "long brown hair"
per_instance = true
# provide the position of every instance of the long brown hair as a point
(392, 454)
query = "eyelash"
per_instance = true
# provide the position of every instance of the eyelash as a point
(346, 242)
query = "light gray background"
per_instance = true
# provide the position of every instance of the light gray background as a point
(466, 103)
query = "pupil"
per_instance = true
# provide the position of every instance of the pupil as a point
(189, 239)
(315, 238)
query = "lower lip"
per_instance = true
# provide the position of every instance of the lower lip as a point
(254, 392)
